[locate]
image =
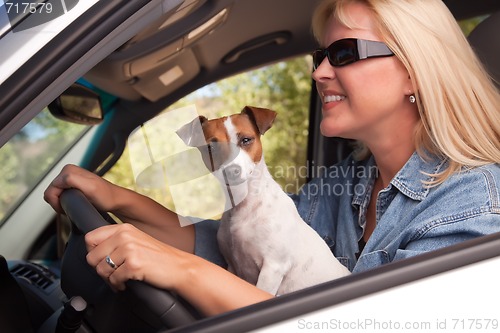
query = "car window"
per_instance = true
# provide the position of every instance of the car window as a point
(284, 87)
(30, 154)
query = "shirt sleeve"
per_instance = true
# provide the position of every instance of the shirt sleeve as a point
(451, 234)
(206, 242)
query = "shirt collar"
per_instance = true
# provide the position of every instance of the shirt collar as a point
(416, 172)
(365, 183)
(410, 180)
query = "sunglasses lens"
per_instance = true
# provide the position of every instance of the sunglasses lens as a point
(318, 57)
(342, 52)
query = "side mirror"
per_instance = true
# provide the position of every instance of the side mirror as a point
(78, 104)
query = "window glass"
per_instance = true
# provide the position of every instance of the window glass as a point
(30, 154)
(284, 87)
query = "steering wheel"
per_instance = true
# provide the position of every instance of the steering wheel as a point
(85, 217)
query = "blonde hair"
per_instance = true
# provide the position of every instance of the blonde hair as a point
(457, 100)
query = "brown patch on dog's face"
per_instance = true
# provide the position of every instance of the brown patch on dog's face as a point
(218, 149)
(247, 136)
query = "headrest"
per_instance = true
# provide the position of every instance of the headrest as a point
(485, 40)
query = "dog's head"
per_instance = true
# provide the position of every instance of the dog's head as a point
(230, 146)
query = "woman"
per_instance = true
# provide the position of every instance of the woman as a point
(423, 179)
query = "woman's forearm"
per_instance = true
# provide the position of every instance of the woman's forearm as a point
(214, 290)
(153, 218)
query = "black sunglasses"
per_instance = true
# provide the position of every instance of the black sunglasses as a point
(346, 51)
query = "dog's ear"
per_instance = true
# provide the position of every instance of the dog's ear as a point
(192, 133)
(262, 118)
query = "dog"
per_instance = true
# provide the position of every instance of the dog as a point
(261, 235)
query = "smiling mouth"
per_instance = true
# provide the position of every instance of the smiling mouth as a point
(333, 98)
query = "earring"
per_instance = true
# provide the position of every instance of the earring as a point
(412, 99)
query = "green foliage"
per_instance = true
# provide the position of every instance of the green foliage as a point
(468, 25)
(30, 153)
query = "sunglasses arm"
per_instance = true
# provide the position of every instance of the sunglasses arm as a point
(367, 49)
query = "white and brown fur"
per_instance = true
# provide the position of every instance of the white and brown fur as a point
(261, 236)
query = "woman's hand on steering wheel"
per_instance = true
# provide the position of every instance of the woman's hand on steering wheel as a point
(121, 252)
(97, 190)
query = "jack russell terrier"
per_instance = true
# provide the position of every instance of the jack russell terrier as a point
(261, 235)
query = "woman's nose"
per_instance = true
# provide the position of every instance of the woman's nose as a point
(324, 71)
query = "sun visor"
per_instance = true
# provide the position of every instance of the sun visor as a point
(170, 76)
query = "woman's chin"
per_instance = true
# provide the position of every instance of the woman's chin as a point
(331, 130)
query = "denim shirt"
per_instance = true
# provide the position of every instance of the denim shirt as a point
(411, 218)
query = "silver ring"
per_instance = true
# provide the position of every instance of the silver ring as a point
(110, 262)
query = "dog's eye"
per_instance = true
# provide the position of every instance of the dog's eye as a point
(246, 141)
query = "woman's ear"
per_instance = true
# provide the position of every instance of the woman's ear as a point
(408, 88)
